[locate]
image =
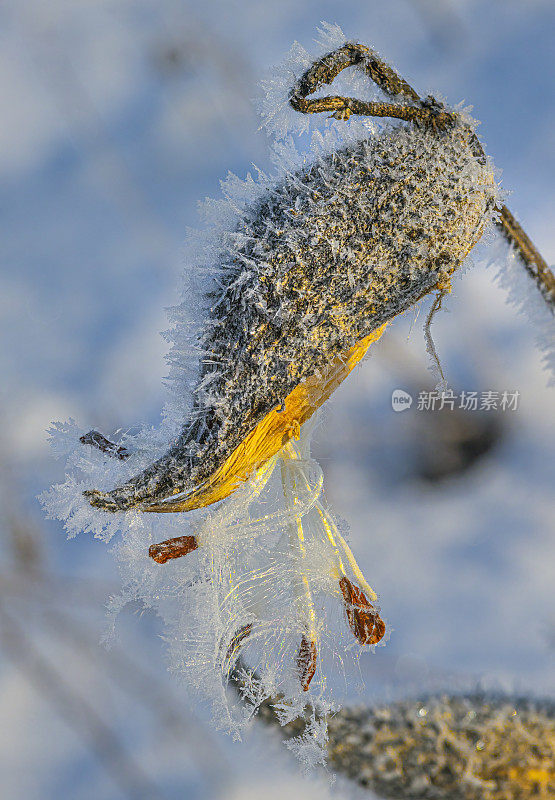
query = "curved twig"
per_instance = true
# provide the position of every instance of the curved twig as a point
(427, 111)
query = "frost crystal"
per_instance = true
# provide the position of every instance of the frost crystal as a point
(449, 748)
(278, 117)
(523, 294)
(305, 268)
(309, 263)
(263, 583)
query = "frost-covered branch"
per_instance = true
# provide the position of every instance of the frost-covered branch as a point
(535, 264)
(78, 712)
(473, 747)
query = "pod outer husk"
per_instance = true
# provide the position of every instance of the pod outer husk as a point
(316, 266)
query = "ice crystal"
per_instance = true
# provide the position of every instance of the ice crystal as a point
(262, 580)
(308, 263)
(523, 294)
(278, 117)
(449, 748)
(292, 270)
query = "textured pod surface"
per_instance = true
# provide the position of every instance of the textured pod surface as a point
(449, 748)
(471, 747)
(319, 262)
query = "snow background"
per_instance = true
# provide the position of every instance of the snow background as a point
(117, 118)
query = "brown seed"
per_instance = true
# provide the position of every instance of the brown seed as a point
(306, 661)
(172, 548)
(365, 622)
(238, 638)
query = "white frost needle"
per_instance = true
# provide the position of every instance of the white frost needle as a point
(308, 267)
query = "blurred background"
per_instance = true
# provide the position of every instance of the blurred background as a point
(117, 117)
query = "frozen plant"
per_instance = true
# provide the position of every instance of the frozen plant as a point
(306, 268)
(481, 746)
